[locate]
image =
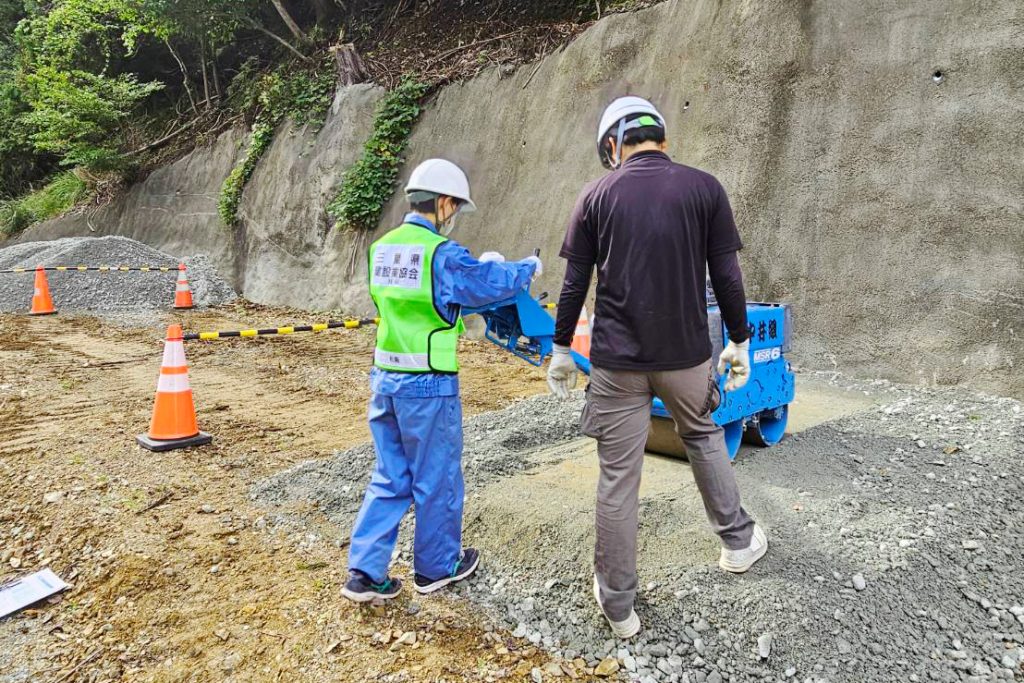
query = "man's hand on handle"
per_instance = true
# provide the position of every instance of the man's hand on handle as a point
(737, 357)
(562, 372)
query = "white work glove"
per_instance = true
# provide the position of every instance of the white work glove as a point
(737, 357)
(538, 266)
(562, 372)
(491, 256)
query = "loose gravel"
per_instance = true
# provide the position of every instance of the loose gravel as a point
(105, 292)
(896, 547)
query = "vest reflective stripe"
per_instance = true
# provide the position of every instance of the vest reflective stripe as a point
(408, 361)
(412, 336)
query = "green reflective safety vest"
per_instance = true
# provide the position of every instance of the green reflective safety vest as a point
(412, 336)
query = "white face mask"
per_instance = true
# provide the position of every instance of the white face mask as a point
(448, 226)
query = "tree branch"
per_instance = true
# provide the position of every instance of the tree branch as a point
(289, 22)
(278, 39)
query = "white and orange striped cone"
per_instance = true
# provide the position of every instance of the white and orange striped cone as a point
(174, 413)
(182, 292)
(42, 303)
(581, 340)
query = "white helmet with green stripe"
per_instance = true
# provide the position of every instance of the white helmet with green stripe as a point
(614, 124)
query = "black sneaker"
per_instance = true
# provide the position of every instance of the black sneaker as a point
(360, 588)
(464, 568)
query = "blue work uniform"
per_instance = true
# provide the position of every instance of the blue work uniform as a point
(416, 425)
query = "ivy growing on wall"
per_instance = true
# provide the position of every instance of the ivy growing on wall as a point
(367, 185)
(303, 96)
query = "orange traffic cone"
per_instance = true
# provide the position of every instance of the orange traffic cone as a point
(182, 292)
(581, 340)
(174, 414)
(42, 304)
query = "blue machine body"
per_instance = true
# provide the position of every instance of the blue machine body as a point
(520, 325)
(757, 413)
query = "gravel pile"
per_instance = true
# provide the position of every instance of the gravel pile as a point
(897, 551)
(105, 291)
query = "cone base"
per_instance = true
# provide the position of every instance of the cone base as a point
(43, 313)
(160, 445)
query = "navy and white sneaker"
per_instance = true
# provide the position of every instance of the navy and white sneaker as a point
(464, 568)
(360, 588)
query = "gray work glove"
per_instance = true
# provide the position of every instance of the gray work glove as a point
(737, 357)
(491, 256)
(538, 266)
(562, 372)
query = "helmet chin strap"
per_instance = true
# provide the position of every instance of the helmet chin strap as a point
(617, 159)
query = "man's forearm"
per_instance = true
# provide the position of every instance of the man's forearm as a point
(727, 281)
(570, 301)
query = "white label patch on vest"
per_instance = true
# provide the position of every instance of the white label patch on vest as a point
(398, 265)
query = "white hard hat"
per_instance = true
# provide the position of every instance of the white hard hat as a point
(618, 110)
(441, 177)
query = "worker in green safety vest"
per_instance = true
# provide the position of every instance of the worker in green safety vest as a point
(419, 281)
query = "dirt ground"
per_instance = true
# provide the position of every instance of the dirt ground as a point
(175, 575)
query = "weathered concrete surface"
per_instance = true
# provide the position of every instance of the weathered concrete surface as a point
(886, 208)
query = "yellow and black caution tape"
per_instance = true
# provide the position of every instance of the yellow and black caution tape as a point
(102, 269)
(292, 329)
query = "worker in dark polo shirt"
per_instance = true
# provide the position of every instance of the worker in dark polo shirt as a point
(653, 228)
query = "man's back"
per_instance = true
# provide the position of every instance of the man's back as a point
(650, 228)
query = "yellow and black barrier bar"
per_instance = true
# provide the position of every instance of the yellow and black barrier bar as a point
(318, 327)
(102, 269)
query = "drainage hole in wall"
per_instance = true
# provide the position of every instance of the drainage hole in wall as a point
(938, 76)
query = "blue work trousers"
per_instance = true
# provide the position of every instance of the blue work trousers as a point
(419, 460)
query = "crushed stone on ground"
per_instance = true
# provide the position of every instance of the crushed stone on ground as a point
(896, 552)
(105, 292)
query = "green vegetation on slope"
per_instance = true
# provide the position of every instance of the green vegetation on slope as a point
(61, 194)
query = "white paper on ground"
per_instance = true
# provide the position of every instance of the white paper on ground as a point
(27, 590)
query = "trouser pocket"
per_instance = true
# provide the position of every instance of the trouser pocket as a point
(714, 394)
(589, 423)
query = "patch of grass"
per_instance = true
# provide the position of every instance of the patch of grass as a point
(61, 194)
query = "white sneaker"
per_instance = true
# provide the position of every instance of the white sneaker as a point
(739, 561)
(622, 629)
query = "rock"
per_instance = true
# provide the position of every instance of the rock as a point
(764, 645)
(406, 639)
(536, 676)
(15, 562)
(629, 662)
(971, 544)
(790, 672)
(527, 605)
(858, 582)
(608, 667)
(701, 625)
(53, 497)
(714, 677)
(658, 650)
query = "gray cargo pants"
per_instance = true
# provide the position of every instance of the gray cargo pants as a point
(618, 414)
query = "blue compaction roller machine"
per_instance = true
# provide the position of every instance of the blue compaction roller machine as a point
(756, 414)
